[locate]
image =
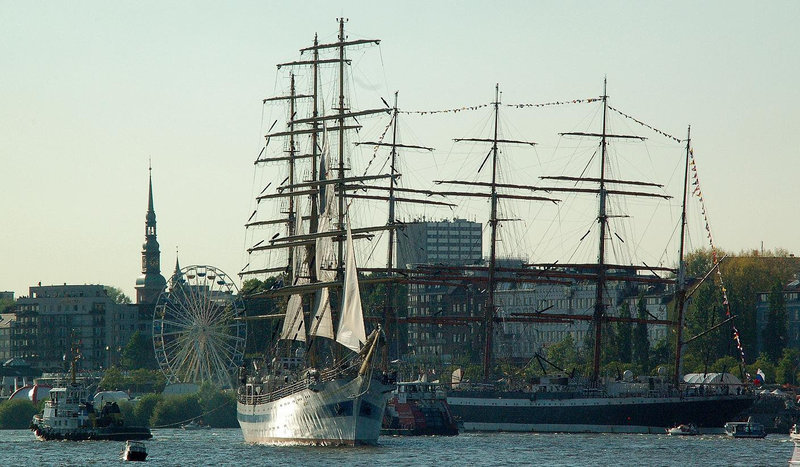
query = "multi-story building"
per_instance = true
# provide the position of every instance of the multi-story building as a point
(456, 242)
(442, 243)
(54, 319)
(521, 341)
(791, 298)
(5, 335)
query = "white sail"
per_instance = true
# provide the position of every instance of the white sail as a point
(294, 323)
(351, 322)
(322, 324)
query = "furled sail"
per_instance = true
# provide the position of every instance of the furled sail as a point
(351, 322)
(322, 324)
(294, 323)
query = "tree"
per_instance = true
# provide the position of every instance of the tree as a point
(624, 334)
(117, 295)
(5, 304)
(563, 354)
(114, 380)
(773, 337)
(786, 371)
(641, 343)
(139, 353)
(16, 414)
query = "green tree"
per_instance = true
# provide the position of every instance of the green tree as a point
(624, 334)
(219, 407)
(6, 304)
(563, 354)
(143, 410)
(117, 295)
(16, 414)
(139, 353)
(115, 380)
(786, 370)
(773, 337)
(174, 410)
(764, 364)
(641, 343)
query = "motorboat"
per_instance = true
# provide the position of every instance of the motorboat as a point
(748, 429)
(134, 451)
(683, 430)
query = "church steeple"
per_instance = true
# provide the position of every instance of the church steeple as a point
(151, 283)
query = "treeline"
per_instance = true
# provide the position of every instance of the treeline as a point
(17, 414)
(214, 407)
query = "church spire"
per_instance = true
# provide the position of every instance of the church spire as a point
(151, 283)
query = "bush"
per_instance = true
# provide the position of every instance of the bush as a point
(173, 410)
(143, 410)
(219, 407)
(17, 414)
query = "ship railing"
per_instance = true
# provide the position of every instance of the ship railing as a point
(324, 376)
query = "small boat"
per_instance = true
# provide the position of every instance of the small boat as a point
(683, 430)
(194, 425)
(134, 451)
(794, 433)
(748, 429)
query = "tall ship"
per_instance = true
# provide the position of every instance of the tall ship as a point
(319, 384)
(562, 401)
(70, 414)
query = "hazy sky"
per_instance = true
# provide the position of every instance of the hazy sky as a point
(92, 90)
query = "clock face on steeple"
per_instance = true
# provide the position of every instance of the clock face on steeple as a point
(153, 262)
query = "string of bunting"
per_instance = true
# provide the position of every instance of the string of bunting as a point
(380, 140)
(714, 256)
(662, 133)
(516, 106)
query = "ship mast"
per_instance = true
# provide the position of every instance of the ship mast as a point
(680, 287)
(490, 307)
(493, 195)
(599, 305)
(598, 316)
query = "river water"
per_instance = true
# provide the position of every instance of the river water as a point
(226, 447)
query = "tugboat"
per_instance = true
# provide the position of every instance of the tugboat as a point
(70, 415)
(418, 409)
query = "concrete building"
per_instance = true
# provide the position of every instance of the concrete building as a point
(5, 335)
(456, 242)
(791, 297)
(445, 243)
(52, 319)
(521, 341)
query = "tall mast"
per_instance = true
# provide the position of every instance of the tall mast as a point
(292, 215)
(389, 306)
(489, 312)
(599, 306)
(680, 287)
(341, 109)
(314, 221)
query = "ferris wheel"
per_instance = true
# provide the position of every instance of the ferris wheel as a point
(196, 334)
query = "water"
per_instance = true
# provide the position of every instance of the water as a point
(226, 447)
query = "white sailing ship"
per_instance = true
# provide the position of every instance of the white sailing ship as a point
(309, 392)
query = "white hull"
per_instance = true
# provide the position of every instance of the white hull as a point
(345, 411)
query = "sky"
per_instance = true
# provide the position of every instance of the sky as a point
(92, 92)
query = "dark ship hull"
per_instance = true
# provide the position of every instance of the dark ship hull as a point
(573, 412)
(116, 433)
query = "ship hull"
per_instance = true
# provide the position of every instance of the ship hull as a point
(344, 411)
(97, 434)
(499, 411)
